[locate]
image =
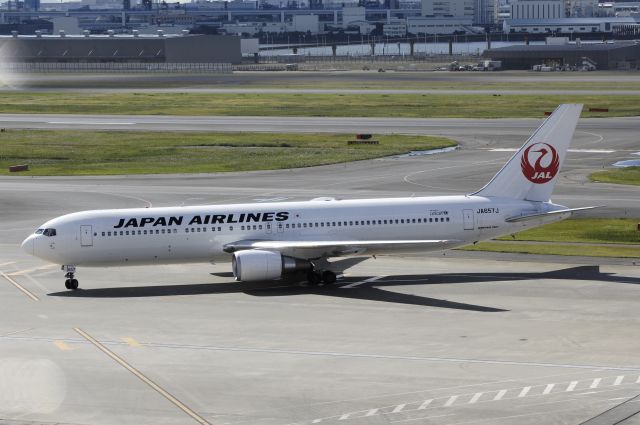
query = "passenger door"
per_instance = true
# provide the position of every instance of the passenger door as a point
(467, 218)
(86, 235)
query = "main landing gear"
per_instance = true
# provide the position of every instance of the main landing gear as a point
(327, 277)
(71, 282)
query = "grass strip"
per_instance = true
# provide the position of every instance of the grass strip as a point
(120, 152)
(627, 175)
(311, 105)
(586, 230)
(556, 249)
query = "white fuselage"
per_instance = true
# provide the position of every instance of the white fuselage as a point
(198, 234)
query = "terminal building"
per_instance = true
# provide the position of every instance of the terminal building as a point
(601, 56)
(111, 48)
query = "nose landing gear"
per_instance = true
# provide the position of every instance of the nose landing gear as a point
(71, 282)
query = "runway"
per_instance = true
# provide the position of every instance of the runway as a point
(445, 339)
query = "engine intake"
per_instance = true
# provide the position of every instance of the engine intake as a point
(252, 265)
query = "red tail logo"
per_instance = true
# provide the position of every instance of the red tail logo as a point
(545, 167)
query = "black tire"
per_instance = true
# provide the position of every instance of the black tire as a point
(314, 278)
(67, 283)
(329, 277)
(74, 284)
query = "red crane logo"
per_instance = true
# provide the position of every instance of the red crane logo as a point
(540, 173)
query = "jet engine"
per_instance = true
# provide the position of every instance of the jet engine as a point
(251, 265)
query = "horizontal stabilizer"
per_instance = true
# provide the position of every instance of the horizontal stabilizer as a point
(518, 218)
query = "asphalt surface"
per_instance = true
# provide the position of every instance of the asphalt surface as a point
(449, 338)
(305, 79)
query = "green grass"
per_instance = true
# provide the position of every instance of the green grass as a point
(556, 249)
(588, 230)
(310, 105)
(116, 152)
(627, 175)
(579, 230)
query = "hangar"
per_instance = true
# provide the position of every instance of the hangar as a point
(618, 55)
(111, 48)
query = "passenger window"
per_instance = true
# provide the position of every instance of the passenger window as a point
(316, 224)
(368, 222)
(259, 227)
(108, 233)
(102, 233)
(231, 228)
(431, 220)
(322, 224)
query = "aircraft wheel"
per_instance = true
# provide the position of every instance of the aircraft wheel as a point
(67, 283)
(329, 277)
(73, 284)
(314, 278)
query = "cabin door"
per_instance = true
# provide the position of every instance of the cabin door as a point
(86, 236)
(467, 218)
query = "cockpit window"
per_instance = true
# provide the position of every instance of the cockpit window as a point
(49, 232)
(39, 231)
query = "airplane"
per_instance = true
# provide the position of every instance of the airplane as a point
(267, 241)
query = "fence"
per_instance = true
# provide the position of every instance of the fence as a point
(221, 68)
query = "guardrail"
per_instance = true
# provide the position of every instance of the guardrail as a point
(116, 67)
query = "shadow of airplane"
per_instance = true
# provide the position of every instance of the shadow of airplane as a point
(362, 290)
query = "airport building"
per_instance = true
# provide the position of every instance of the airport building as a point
(578, 55)
(112, 48)
(615, 25)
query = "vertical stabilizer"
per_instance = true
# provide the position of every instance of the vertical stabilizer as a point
(532, 172)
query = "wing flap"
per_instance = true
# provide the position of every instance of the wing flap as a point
(336, 248)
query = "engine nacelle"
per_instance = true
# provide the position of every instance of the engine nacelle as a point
(251, 265)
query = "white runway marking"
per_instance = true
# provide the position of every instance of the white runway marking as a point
(425, 404)
(524, 392)
(596, 382)
(500, 394)
(398, 408)
(572, 386)
(451, 400)
(618, 380)
(475, 398)
(548, 389)
(20, 287)
(372, 279)
(180, 405)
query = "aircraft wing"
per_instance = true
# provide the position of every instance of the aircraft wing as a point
(315, 249)
(545, 214)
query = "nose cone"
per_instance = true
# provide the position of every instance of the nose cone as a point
(28, 245)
